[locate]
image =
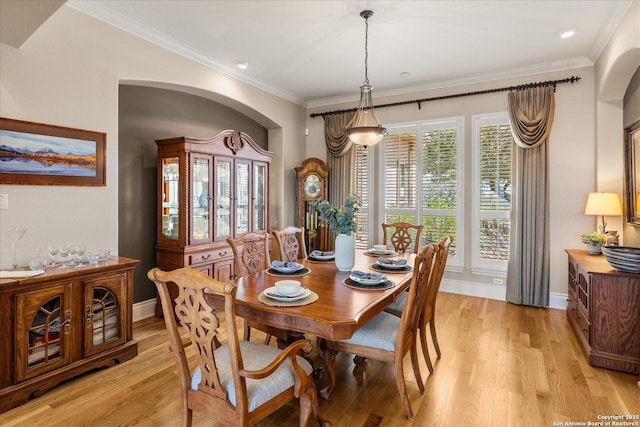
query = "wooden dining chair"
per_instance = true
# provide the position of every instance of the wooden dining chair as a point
(238, 382)
(428, 311)
(387, 337)
(251, 254)
(403, 236)
(291, 243)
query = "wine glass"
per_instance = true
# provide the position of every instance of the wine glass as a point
(53, 252)
(15, 235)
(80, 250)
(63, 251)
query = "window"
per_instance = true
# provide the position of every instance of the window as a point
(361, 191)
(420, 180)
(492, 150)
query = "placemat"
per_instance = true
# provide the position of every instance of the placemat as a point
(353, 284)
(402, 270)
(392, 254)
(313, 297)
(302, 272)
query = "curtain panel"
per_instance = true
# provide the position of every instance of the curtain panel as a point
(341, 161)
(531, 114)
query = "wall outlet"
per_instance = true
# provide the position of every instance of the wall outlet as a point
(498, 281)
(4, 201)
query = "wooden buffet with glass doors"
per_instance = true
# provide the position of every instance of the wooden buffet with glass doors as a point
(62, 323)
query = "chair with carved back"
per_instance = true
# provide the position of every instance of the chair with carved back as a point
(291, 243)
(236, 382)
(429, 309)
(403, 236)
(251, 254)
(387, 337)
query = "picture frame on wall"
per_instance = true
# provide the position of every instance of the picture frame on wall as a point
(632, 173)
(41, 154)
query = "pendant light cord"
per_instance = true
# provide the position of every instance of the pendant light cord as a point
(366, 50)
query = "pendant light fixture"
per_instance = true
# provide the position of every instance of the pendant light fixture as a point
(365, 128)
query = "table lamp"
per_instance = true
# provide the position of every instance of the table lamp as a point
(603, 204)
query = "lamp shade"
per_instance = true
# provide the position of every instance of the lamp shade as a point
(365, 128)
(605, 204)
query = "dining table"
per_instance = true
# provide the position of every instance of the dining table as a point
(337, 309)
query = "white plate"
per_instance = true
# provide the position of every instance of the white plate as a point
(364, 281)
(322, 257)
(383, 252)
(273, 294)
(391, 266)
(291, 267)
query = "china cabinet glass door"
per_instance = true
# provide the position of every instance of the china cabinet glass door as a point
(223, 218)
(259, 196)
(242, 197)
(200, 198)
(170, 198)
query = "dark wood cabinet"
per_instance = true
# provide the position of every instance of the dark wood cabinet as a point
(61, 324)
(208, 190)
(604, 311)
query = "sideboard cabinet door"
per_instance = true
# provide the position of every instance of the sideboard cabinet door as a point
(104, 313)
(43, 331)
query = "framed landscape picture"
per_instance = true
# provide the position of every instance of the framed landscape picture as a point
(40, 154)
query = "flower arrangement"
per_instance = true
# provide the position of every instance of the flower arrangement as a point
(340, 219)
(594, 238)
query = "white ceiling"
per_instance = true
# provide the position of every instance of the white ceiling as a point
(312, 52)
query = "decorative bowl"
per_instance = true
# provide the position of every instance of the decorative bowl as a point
(623, 258)
(103, 254)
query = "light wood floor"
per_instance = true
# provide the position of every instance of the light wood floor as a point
(501, 365)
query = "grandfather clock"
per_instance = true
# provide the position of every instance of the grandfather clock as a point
(312, 186)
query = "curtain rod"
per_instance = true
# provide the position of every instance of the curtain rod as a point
(553, 83)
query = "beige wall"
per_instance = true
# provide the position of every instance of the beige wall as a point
(68, 73)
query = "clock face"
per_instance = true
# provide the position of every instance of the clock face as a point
(312, 187)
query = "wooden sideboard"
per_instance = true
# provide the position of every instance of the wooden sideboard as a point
(604, 311)
(63, 323)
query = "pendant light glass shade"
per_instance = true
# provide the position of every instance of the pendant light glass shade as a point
(365, 128)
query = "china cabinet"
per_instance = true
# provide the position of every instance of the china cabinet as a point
(208, 190)
(603, 309)
(63, 323)
(312, 179)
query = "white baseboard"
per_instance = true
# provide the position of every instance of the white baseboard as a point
(144, 309)
(147, 308)
(495, 292)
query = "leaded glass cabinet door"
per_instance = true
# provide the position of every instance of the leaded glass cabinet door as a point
(200, 199)
(260, 202)
(242, 197)
(223, 219)
(170, 204)
(104, 313)
(44, 334)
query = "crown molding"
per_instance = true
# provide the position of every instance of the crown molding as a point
(126, 24)
(562, 65)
